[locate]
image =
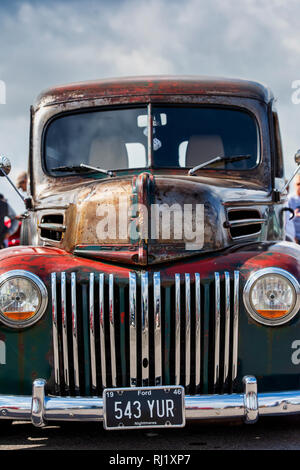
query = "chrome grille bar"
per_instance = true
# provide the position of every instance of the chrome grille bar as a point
(157, 329)
(92, 331)
(132, 330)
(197, 330)
(177, 329)
(227, 326)
(145, 329)
(235, 324)
(112, 331)
(217, 329)
(64, 330)
(55, 333)
(75, 332)
(102, 330)
(187, 329)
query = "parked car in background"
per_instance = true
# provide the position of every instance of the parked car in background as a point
(14, 239)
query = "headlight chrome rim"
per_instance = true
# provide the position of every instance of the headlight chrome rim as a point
(19, 273)
(248, 304)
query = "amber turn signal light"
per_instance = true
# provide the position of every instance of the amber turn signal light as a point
(272, 313)
(18, 315)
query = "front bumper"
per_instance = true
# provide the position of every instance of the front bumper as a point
(247, 406)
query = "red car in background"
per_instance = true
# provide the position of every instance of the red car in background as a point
(14, 239)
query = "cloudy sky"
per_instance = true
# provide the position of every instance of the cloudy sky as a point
(45, 43)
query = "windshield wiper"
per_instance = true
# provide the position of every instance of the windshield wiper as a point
(232, 158)
(81, 168)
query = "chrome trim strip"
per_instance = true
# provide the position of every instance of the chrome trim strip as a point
(217, 330)
(177, 329)
(235, 324)
(132, 330)
(64, 331)
(145, 329)
(244, 222)
(38, 403)
(102, 329)
(112, 331)
(55, 333)
(52, 227)
(75, 332)
(157, 329)
(92, 331)
(197, 330)
(227, 326)
(187, 329)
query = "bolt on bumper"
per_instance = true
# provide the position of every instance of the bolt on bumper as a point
(39, 409)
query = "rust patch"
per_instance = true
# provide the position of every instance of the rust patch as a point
(159, 85)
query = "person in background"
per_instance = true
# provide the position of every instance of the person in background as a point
(294, 203)
(7, 211)
(3, 228)
(21, 182)
(289, 222)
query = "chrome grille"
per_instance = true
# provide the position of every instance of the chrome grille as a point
(144, 330)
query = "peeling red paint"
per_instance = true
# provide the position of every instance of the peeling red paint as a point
(47, 259)
(151, 86)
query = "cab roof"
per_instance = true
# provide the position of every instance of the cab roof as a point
(153, 85)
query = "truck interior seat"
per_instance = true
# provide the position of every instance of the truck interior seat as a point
(108, 153)
(202, 148)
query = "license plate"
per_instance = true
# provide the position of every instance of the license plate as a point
(145, 407)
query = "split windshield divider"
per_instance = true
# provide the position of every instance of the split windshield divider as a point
(150, 135)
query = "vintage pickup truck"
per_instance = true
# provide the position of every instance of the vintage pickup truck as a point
(154, 284)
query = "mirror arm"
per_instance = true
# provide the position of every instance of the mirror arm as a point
(8, 178)
(289, 181)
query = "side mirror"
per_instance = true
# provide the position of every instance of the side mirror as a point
(5, 166)
(297, 157)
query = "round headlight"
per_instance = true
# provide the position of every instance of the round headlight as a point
(272, 296)
(23, 298)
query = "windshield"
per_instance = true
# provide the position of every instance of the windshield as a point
(183, 137)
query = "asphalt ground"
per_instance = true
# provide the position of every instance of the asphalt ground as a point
(269, 433)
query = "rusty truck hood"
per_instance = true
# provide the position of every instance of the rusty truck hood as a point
(147, 219)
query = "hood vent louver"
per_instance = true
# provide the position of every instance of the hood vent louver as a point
(244, 222)
(52, 227)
